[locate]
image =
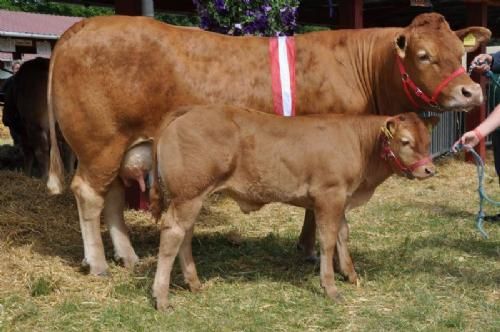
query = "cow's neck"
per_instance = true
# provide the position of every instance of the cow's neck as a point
(387, 88)
(360, 76)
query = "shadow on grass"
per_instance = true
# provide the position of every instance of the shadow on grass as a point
(50, 225)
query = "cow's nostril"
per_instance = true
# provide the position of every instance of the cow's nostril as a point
(429, 171)
(466, 93)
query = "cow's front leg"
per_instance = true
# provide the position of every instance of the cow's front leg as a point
(90, 204)
(329, 213)
(114, 206)
(307, 238)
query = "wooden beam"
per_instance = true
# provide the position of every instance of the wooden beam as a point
(350, 14)
(477, 15)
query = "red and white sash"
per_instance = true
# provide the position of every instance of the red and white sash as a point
(282, 61)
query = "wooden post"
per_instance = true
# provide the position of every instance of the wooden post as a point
(350, 14)
(477, 15)
(134, 7)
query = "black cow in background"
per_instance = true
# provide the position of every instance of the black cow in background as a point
(25, 113)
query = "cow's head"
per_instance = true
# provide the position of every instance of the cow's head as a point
(405, 145)
(432, 53)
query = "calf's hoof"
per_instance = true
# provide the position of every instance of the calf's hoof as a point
(334, 295)
(353, 279)
(194, 286)
(162, 305)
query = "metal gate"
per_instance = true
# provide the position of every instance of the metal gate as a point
(448, 130)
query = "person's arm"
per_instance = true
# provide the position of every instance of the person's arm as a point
(473, 137)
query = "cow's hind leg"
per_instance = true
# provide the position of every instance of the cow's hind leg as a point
(90, 204)
(307, 238)
(176, 223)
(113, 216)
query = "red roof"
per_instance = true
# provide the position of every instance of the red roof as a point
(43, 24)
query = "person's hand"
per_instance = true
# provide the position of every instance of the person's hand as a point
(483, 62)
(469, 140)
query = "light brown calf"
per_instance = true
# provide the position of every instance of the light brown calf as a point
(327, 163)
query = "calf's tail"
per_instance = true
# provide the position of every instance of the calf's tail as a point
(156, 197)
(156, 194)
(55, 180)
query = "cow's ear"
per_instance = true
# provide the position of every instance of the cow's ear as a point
(400, 44)
(473, 37)
(431, 121)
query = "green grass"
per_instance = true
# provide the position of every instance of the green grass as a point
(422, 264)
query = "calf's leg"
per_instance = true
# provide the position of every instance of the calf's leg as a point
(187, 262)
(176, 223)
(328, 214)
(342, 255)
(113, 216)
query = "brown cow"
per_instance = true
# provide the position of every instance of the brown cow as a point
(25, 113)
(114, 78)
(328, 163)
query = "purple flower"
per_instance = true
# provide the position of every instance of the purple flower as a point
(258, 17)
(220, 5)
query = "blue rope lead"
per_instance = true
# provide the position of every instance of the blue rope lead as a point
(482, 194)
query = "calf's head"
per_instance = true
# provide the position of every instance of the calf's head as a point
(431, 55)
(405, 143)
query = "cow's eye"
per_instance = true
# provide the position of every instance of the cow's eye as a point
(424, 57)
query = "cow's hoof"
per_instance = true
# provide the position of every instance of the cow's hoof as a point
(94, 269)
(309, 255)
(128, 262)
(312, 259)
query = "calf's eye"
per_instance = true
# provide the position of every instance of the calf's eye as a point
(405, 141)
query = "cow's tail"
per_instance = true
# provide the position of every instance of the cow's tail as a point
(55, 180)
(156, 193)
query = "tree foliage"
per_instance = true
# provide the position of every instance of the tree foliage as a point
(46, 7)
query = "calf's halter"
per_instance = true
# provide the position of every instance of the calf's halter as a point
(410, 86)
(387, 154)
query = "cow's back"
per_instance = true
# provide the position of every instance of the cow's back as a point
(108, 74)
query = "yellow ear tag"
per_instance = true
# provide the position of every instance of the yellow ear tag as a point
(469, 40)
(386, 132)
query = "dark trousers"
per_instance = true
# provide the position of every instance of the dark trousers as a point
(495, 139)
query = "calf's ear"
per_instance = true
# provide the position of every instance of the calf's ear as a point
(431, 121)
(400, 44)
(390, 126)
(473, 37)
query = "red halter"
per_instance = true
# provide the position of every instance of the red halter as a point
(409, 85)
(387, 154)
